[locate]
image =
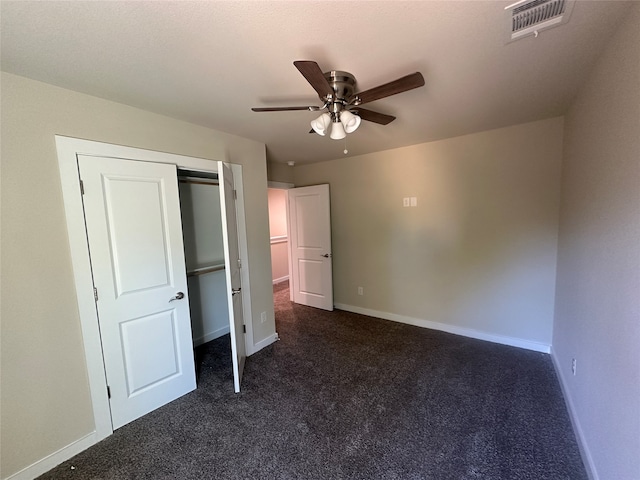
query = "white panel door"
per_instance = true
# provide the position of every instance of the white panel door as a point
(132, 214)
(232, 271)
(310, 245)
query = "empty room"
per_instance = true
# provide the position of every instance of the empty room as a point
(449, 286)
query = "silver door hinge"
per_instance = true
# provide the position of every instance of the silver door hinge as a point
(244, 328)
(95, 293)
(235, 194)
(108, 391)
(239, 263)
(81, 187)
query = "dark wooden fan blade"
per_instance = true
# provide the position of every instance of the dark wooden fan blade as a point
(403, 84)
(371, 116)
(311, 71)
(282, 109)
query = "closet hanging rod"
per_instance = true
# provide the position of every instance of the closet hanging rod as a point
(204, 270)
(199, 182)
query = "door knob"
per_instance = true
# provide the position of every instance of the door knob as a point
(326, 255)
(235, 291)
(179, 296)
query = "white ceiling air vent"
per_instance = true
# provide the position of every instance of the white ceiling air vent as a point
(529, 17)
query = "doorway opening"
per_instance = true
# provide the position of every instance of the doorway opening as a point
(204, 255)
(300, 226)
(279, 234)
(205, 265)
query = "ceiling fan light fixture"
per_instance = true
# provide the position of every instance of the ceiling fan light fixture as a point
(336, 90)
(337, 131)
(351, 122)
(321, 124)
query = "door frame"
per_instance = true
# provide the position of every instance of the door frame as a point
(68, 148)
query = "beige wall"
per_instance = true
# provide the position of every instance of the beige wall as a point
(597, 317)
(45, 393)
(277, 211)
(279, 262)
(279, 172)
(479, 250)
(278, 227)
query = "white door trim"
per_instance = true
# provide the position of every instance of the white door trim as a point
(68, 148)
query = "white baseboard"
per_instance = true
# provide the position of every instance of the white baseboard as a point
(207, 337)
(265, 343)
(443, 327)
(47, 463)
(587, 459)
(281, 279)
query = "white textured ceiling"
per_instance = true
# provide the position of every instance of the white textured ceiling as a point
(209, 62)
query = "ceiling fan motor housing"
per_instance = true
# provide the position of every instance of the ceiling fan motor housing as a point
(343, 86)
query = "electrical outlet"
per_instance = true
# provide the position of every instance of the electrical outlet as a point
(414, 201)
(360, 291)
(263, 317)
(406, 202)
(573, 366)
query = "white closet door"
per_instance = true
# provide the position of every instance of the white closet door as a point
(134, 228)
(232, 271)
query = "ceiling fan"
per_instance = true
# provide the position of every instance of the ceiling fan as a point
(336, 90)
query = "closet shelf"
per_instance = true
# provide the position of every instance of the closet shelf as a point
(205, 270)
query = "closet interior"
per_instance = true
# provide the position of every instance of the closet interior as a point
(204, 254)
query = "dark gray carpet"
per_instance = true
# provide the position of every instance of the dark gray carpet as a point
(344, 396)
